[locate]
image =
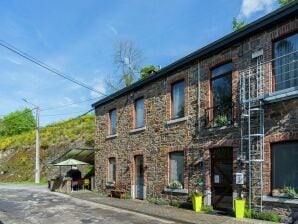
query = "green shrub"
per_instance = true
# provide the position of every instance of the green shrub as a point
(248, 213)
(175, 203)
(265, 215)
(125, 196)
(207, 208)
(268, 216)
(157, 201)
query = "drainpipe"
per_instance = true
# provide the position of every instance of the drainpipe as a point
(199, 95)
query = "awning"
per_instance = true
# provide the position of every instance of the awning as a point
(71, 162)
(82, 154)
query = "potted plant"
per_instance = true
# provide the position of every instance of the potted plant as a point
(175, 185)
(197, 196)
(221, 120)
(239, 204)
(110, 183)
(197, 199)
(289, 192)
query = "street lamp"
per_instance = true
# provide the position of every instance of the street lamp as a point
(37, 150)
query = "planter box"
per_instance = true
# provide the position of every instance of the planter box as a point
(239, 208)
(197, 203)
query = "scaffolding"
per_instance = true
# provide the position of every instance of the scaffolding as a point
(256, 82)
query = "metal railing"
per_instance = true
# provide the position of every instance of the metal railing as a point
(270, 76)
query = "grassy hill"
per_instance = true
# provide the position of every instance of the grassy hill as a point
(18, 163)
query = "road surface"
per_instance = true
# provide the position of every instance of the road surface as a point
(35, 204)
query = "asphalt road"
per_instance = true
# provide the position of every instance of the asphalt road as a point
(35, 204)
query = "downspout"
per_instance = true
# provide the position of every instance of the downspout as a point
(199, 95)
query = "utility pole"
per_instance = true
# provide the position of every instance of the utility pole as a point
(37, 149)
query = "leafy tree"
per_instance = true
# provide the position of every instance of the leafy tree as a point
(17, 122)
(147, 71)
(128, 59)
(238, 24)
(285, 2)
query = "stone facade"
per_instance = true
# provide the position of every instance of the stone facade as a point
(189, 134)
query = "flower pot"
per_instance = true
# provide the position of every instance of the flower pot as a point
(239, 208)
(197, 203)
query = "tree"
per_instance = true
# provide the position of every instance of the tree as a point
(285, 2)
(238, 24)
(17, 122)
(148, 70)
(128, 59)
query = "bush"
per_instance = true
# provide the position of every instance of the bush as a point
(267, 216)
(207, 208)
(175, 203)
(157, 201)
(125, 196)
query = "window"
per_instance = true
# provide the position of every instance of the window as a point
(177, 167)
(221, 84)
(112, 170)
(286, 62)
(113, 122)
(285, 165)
(139, 113)
(177, 96)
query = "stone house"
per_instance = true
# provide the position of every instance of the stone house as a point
(222, 120)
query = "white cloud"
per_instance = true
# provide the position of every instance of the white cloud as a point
(250, 7)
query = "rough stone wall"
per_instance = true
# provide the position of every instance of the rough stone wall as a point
(155, 142)
(191, 135)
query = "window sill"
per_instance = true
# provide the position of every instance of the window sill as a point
(111, 136)
(222, 127)
(281, 95)
(137, 130)
(171, 190)
(177, 120)
(293, 201)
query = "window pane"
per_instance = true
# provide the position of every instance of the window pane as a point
(139, 107)
(178, 99)
(223, 69)
(113, 123)
(222, 99)
(177, 167)
(286, 64)
(112, 169)
(285, 165)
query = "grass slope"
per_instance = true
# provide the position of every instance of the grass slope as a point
(54, 138)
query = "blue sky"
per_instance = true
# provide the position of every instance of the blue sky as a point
(78, 38)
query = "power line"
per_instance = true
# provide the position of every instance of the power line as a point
(69, 104)
(50, 115)
(47, 67)
(72, 119)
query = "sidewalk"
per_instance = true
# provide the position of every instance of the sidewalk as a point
(165, 212)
